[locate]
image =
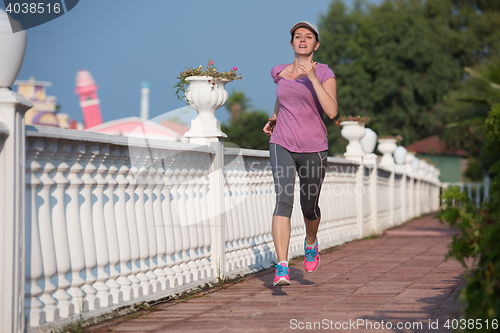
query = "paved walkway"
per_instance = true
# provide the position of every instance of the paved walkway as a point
(400, 277)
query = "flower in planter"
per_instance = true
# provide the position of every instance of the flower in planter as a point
(210, 70)
(398, 137)
(359, 119)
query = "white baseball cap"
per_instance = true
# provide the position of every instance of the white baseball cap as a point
(307, 25)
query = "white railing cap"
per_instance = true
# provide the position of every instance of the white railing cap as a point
(74, 135)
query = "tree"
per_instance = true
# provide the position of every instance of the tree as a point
(465, 113)
(246, 124)
(395, 62)
(237, 102)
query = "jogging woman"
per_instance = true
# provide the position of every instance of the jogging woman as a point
(298, 144)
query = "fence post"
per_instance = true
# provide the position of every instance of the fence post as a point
(403, 192)
(206, 131)
(370, 161)
(12, 209)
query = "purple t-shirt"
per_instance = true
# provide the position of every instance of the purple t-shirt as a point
(300, 127)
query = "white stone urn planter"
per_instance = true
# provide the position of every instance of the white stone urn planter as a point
(205, 97)
(369, 141)
(12, 48)
(353, 131)
(415, 164)
(400, 155)
(410, 157)
(423, 167)
(387, 147)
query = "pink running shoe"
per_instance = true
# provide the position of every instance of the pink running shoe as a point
(311, 256)
(281, 277)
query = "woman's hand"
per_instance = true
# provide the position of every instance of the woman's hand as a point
(268, 129)
(308, 68)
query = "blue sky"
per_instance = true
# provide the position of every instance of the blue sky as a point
(124, 42)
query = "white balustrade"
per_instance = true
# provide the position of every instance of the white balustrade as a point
(112, 221)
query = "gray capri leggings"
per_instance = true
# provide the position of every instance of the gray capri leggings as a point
(311, 168)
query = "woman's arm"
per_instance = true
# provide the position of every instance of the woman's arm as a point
(268, 128)
(326, 92)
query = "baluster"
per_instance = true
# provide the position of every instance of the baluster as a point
(258, 210)
(253, 216)
(272, 192)
(149, 222)
(179, 266)
(198, 226)
(110, 223)
(238, 225)
(235, 234)
(34, 269)
(169, 236)
(52, 312)
(127, 277)
(205, 183)
(138, 279)
(59, 229)
(184, 222)
(101, 241)
(245, 223)
(229, 230)
(158, 231)
(74, 228)
(148, 278)
(91, 301)
(269, 200)
(191, 224)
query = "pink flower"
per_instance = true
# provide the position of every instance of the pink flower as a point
(210, 63)
(235, 69)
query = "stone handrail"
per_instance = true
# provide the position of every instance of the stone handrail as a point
(113, 221)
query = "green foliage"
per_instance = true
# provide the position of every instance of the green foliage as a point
(474, 171)
(466, 109)
(477, 246)
(246, 124)
(396, 61)
(491, 156)
(246, 130)
(461, 212)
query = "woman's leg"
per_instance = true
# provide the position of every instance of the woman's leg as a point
(284, 170)
(311, 229)
(281, 236)
(311, 168)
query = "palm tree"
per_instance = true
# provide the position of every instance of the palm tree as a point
(481, 91)
(236, 103)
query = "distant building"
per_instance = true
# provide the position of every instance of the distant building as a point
(136, 127)
(90, 104)
(142, 127)
(43, 111)
(452, 163)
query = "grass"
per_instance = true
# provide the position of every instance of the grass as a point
(74, 327)
(369, 237)
(220, 275)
